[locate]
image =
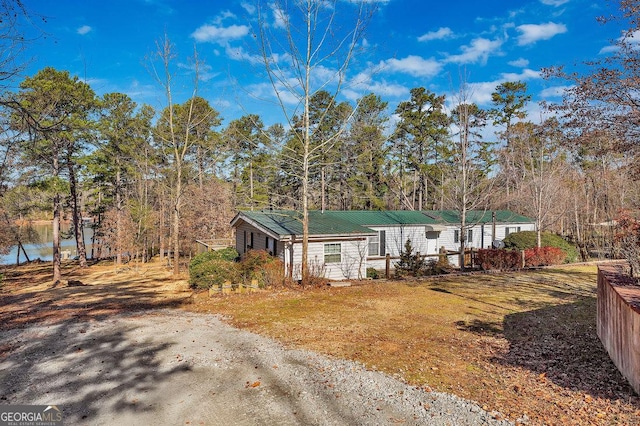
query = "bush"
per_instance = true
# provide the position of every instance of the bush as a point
(212, 273)
(261, 266)
(543, 256)
(500, 259)
(529, 239)
(410, 263)
(273, 273)
(230, 254)
(373, 273)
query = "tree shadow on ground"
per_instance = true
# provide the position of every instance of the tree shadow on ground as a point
(93, 298)
(83, 368)
(560, 343)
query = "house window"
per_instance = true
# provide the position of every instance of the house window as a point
(513, 229)
(270, 245)
(377, 245)
(456, 236)
(374, 245)
(332, 253)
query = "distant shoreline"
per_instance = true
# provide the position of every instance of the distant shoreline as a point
(40, 222)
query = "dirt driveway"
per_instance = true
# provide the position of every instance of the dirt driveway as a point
(83, 349)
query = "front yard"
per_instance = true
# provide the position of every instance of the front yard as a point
(520, 343)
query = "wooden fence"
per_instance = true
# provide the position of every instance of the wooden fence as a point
(618, 321)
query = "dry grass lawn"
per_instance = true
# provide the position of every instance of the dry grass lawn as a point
(519, 343)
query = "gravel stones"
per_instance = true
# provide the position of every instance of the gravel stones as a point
(171, 367)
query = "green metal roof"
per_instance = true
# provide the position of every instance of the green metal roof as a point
(356, 222)
(383, 218)
(288, 222)
(477, 216)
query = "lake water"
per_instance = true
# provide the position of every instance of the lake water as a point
(44, 250)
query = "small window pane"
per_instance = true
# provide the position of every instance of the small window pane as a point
(374, 246)
(332, 253)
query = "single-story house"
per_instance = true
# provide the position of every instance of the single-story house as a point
(343, 244)
(483, 226)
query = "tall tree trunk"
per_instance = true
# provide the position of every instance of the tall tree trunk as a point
(57, 275)
(323, 194)
(251, 183)
(176, 223)
(78, 229)
(118, 220)
(161, 241)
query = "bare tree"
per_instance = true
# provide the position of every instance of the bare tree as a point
(467, 186)
(307, 44)
(176, 136)
(536, 152)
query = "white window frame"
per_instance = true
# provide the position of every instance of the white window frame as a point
(512, 230)
(374, 241)
(333, 253)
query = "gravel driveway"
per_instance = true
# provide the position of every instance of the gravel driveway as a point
(174, 368)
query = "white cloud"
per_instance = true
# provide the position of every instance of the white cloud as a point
(381, 88)
(364, 83)
(520, 63)
(280, 17)
(219, 34)
(412, 65)
(204, 71)
(239, 54)
(554, 92)
(224, 15)
(481, 91)
(478, 51)
(85, 29)
(526, 74)
(532, 33)
(632, 40)
(554, 3)
(251, 9)
(440, 34)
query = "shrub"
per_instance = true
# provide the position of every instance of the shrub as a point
(261, 266)
(373, 273)
(273, 273)
(500, 259)
(213, 272)
(410, 263)
(230, 254)
(544, 256)
(529, 239)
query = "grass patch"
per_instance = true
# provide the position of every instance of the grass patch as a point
(522, 343)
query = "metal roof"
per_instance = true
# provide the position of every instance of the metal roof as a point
(284, 223)
(289, 222)
(383, 218)
(477, 216)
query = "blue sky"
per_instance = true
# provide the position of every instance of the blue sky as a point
(408, 43)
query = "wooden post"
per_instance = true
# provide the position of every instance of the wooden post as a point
(387, 266)
(523, 263)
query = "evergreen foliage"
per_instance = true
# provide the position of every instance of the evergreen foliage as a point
(528, 240)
